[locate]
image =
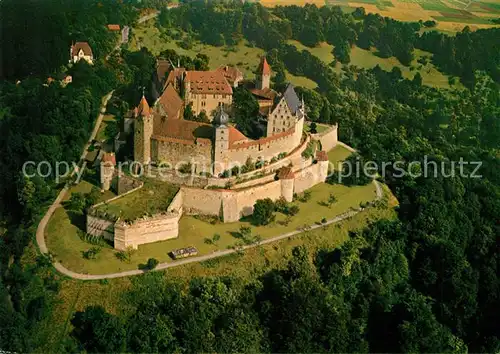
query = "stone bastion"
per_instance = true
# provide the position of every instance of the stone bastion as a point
(284, 178)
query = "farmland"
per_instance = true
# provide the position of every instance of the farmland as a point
(451, 15)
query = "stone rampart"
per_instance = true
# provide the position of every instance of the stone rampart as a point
(329, 139)
(160, 227)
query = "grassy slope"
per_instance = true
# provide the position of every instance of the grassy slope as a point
(243, 56)
(368, 59)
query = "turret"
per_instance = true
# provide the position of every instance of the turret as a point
(263, 75)
(323, 162)
(142, 132)
(287, 178)
(107, 168)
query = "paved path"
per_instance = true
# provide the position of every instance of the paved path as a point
(40, 231)
(163, 266)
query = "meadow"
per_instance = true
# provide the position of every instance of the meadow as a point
(368, 59)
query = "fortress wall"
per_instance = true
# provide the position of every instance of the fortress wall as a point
(176, 203)
(157, 228)
(175, 177)
(309, 177)
(329, 139)
(294, 157)
(257, 181)
(246, 198)
(178, 154)
(202, 201)
(100, 227)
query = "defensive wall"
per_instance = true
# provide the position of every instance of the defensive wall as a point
(228, 204)
(178, 151)
(328, 139)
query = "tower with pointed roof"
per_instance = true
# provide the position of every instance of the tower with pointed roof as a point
(221, 140)
(263, 75)
(143, 129)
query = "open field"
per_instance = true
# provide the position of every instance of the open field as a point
(245, 57)
(301, 81)
(451, 15)
(368, 59)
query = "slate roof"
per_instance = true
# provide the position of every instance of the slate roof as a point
(292, 100)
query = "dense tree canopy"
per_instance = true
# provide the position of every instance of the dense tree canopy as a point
(426, 281)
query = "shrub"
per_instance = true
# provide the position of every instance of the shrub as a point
(323, 220)
(313, 128)
(91, 253)
(263, 212)
(293, 210)
(152, 263)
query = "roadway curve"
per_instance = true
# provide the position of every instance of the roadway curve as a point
(40, 231)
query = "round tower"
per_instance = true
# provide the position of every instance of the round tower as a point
(287, 178)
(221, 141)
(323, 162)
(143, 129)
(107, 170)
(264, 75)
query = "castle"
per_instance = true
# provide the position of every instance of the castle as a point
(162, 135)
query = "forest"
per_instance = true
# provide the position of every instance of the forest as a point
(424, 282)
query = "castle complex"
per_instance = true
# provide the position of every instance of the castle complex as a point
(161, 134)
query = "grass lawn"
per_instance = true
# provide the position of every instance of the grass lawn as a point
(337, 155)
(301, 81)
(154, 197)
(246, 58)
(368, 59)
(76, 295)
(101, 133)
(323, 51)
(64, 242)
(320, 128)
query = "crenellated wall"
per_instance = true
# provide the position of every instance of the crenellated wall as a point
(160, 227)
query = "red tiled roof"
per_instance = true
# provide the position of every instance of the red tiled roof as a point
(143, 108)
(171, 102)
(231, 73)
(75, 48)
(208, 82)
(277, 136)
(321, 156)
(267, 93)
(114, 27)
(264, 67)
(181, 129)
(162, 67)
(235, 136)
(109, 157)
(286, 173)
(174, 75)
